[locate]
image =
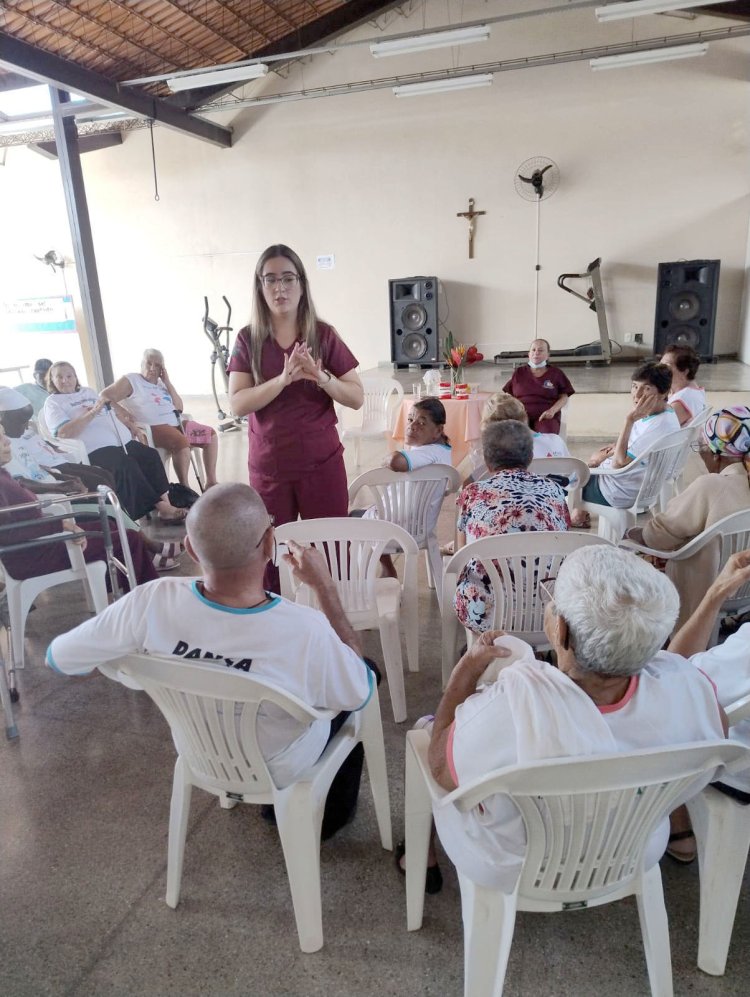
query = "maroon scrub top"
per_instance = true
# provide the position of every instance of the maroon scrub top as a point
(296, 432)
(538, 393)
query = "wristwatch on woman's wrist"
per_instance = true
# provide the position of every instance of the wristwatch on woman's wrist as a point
(328, 381)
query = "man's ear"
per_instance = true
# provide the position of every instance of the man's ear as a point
(191, 551)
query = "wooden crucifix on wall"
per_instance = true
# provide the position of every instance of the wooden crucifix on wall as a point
(471, 216)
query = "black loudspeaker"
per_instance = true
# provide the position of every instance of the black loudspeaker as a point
(415, 333)
(686, 297)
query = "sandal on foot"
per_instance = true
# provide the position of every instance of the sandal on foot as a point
(172, 550)
(173, 520)
(433, 880)
(162, 563)
(686, 857)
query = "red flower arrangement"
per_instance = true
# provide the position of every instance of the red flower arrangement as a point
(458, 356)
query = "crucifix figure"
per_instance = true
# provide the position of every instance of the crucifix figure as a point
(471, 216)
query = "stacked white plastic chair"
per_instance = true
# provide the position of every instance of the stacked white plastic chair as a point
(587, 821)
(383, 397)
(212, 716)
(353, 548)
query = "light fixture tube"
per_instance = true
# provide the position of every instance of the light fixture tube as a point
(639, 8)
(649, 56)
(434, 39)
(443, 86)
(217, 77)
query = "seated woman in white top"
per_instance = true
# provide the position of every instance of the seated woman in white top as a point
(650, 419)
(613, 690)
(686, 398)
(76, 412)
(151, 397)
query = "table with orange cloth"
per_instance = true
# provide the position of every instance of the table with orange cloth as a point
(463, 418)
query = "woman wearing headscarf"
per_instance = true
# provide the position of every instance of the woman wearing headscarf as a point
(725, 450)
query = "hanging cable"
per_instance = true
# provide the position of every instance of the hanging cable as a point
(153, 158)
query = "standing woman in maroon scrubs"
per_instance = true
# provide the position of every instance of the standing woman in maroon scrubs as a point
(286, 371)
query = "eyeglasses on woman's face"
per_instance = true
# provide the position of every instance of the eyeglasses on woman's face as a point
(286, 280)
(700, 446)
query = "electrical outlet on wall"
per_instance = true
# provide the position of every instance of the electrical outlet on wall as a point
(639, 337)
(628, 337)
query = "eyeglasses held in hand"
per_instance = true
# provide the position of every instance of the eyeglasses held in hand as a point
(288, 280)
(547, 590)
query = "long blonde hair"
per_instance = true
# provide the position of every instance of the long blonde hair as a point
(260, 326)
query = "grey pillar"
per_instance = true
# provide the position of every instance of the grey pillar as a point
(66, 139)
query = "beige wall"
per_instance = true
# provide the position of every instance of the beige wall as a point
(654, 164)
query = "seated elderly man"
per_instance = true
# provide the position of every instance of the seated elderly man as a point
(227, 618)
(509, 500)
(35, 391)
(607, 617)
(649, 420)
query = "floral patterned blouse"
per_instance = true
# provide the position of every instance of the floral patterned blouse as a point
(511, 501)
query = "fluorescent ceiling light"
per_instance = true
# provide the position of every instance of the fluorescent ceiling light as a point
(216, 77)
(443, 86)
(434, 39)
(638, 8)
(648, 56)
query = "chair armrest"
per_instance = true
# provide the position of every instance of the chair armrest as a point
(418, 741)
(666, 555)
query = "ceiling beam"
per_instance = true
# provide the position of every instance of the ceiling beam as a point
(343, 18)
(47, 68)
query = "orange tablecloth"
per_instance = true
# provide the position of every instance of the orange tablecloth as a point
(462, 425)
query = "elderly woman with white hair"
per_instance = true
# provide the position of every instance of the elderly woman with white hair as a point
(607, 616)
(153, 401)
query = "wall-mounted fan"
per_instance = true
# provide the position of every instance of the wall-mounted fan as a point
(536, 180)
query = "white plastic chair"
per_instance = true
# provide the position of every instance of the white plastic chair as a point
(722, 832)
(568, 467)
(378, 411)
(408, 499)
(21, 593)
(212, 715)
(11, 730)
(515, 564)
(664, 462)
(563, 434)
(166, 456)
(588, 822)
(353, 548)
(700, 418)
(730, 534)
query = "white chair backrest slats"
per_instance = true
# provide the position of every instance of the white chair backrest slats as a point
(382, 396)
(588, 820)
(664, 465)
(699, 420)
(212, 715)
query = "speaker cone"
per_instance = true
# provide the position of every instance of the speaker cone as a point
(413, 317)
(684, 306)
(413, 346)
(684, 335)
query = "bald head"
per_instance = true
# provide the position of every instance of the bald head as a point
(226, 525)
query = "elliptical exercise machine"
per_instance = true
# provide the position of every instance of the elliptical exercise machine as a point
(220, 355)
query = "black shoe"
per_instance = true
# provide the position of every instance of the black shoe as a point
(433, 880)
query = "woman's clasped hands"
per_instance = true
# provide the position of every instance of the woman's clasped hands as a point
(300, 365)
